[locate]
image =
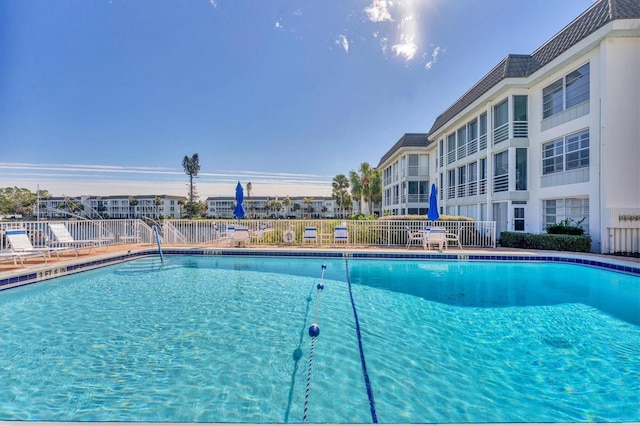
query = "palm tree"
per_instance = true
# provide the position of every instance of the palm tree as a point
(191, 168)
(339, 192)
(364, 186)
(249, 187)
(277, 205)
(286, 203)
(308, 201)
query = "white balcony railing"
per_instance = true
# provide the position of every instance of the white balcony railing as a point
(501, 133)
(520, 129)
(501, 183)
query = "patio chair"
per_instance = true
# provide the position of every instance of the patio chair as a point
(310, 235)
(437, 237)
(414, 237)
(6, 256)
(240, 237)
(341, 235)
(453, 237)
(65, 239)
(21, 244)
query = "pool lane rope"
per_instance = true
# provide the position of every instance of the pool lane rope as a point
(367, 382)
(314, 331)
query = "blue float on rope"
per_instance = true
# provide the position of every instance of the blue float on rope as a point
(314, 330)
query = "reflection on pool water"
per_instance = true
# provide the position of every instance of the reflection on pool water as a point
(225, 339)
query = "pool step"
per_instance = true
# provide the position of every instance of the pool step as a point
(146, 265)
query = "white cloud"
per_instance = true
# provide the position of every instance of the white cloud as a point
(434, 58)
(384, 44)
(406, 48)
(278, 26)
(343, 42)
(213, 3)
(378, 11)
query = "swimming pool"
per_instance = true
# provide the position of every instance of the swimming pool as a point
(225, 339)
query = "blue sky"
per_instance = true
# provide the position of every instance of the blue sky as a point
(107, 96)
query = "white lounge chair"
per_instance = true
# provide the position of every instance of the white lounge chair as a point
(21, 244)
(240, 237)
(414, 237)
(6, 256)
(341, 235)
(435, 237)
(310, 235)
(65, 239)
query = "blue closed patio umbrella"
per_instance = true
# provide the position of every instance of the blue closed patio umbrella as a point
(239, 210)
(433, 214)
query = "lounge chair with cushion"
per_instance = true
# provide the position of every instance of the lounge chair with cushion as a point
(65, 239)
(21, 244)
(310, 235)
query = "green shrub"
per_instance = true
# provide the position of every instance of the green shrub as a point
(565, 227)
(558, 242)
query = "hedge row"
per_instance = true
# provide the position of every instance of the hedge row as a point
(559, 242)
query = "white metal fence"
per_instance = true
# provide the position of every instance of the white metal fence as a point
(111, 231)
(622, 231)
(623, 234)
(361, 232)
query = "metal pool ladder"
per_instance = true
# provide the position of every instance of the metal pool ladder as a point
(156, 231)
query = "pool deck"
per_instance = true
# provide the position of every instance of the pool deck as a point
(37, 270)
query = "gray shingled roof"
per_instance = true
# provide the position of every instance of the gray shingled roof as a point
(592, 19)
(407, 140)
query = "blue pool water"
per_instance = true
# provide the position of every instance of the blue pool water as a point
(225, 339)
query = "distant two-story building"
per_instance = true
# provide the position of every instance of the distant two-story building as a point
(260, 207)
(541, 138)
(113, 207)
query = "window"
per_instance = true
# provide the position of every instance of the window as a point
(482, 142)
(483, 176)
(451, 148)
(520, 123)
(521, 169)
(568, 153)
(576, 209)
(567, 92)
(473, 178)
(451, 187)
(414, 165)
(501, 172)
(520, 108)
(462, 142)
(462, 179)
(501, 122)
(518, 218)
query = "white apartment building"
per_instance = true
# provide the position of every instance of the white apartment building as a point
(543, 137)
(405, 176)
(259, 207)
(113, 207)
